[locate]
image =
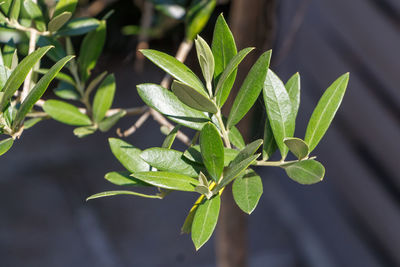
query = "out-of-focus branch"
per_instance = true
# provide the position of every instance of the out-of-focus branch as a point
(28, 79)
(95, 8)
(143, 39)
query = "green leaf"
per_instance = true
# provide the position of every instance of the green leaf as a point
(222, 90)
(269, 145)
(170, 160)
(250, 90)
(297, 146)
(224, 49)
(37, 91)
(206, 60)
(236, 138)
(205, 220)
(66, 91)
(325, 111)
(246, 152)
(57, 52)
(35, 13)
(108, 122)
(169, 140)
(5, 145)
(168, 180)
(94, 83)
(57, 22)
(212, 150)
(193, 153)
(65, 6)
(197, 17)
(90, 50)
(293, 88)
(103, 98)
(193, 98)
(187, 225)
(8, 53)
(175, 68)
(233, 170)
(84, 131)
(78, 26)
(31, 122)
(306, 171)
(17, 77)
(15, 10)
(247, 190)
(279, 110)
(123, 178)
(116, 193)
(168, 104)
(60, 76)
(128, 155)
(66, 113)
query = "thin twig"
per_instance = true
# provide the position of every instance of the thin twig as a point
(134, 127)
(28, 79)
(143, 39)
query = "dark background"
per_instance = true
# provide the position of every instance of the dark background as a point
(351, 219)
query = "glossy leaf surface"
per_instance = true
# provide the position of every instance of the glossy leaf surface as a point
(306, 171)
(168, 180)
(247, 190)
(212, 150)
(123, 178)
(104, 97)
(128, 155)
(65, 113)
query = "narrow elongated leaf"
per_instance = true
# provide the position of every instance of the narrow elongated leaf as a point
(224, 49)
(235, 170)
(78, 26)
(66, 91)
(250, 90)
(204, 221)
(170, 160)
(293, 88)
(65, 6)
(193, 153)
(212, 150)
(168, 180)
(221, 90)
(168, 104)
(57, 22)
(236, 138)
(103, 98)
(325, 111)
(35, 13)
(128, 155)
(192, 98)
(60, 76)
(279, 110)
(124, 192)
(269, 145)
(31, 122)
(84, 131)
(297, 146)
(169, 140)
(197, 17)
(247, 190)
(57, 52)
(90, 50)
(37, 91)
(248, 151)
(18, 76)
(8, 53)
(206, 60)
(123, 178)
(175, 68)
(15, 9)
(5, 145)
(108, 122)
(66, 113)
(306, 171)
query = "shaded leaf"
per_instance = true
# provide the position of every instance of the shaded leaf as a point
(108, 122)
(325, 111)
(78, 26)
(212, 150)
(246, 152)
(293, 88)
(57, 22)
(84, 131)
(65, 6)
(167, 180)
(193, 153)
(204, 221)
(236, 138)
(297, 146)
(116, 193)
(269, 144)
(247, 190)
(5, 145)
(192, 98)
(66, 91)
(123, 178)
(169, 140)
(206, 60)
(197, 17)
(15, 9)
(104, 97)
(306, 171)
(35, 13)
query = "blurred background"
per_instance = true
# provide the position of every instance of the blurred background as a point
(352, 218)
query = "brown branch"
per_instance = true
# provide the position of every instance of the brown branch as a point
(143, 38)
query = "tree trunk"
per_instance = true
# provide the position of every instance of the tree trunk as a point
(252, 23)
